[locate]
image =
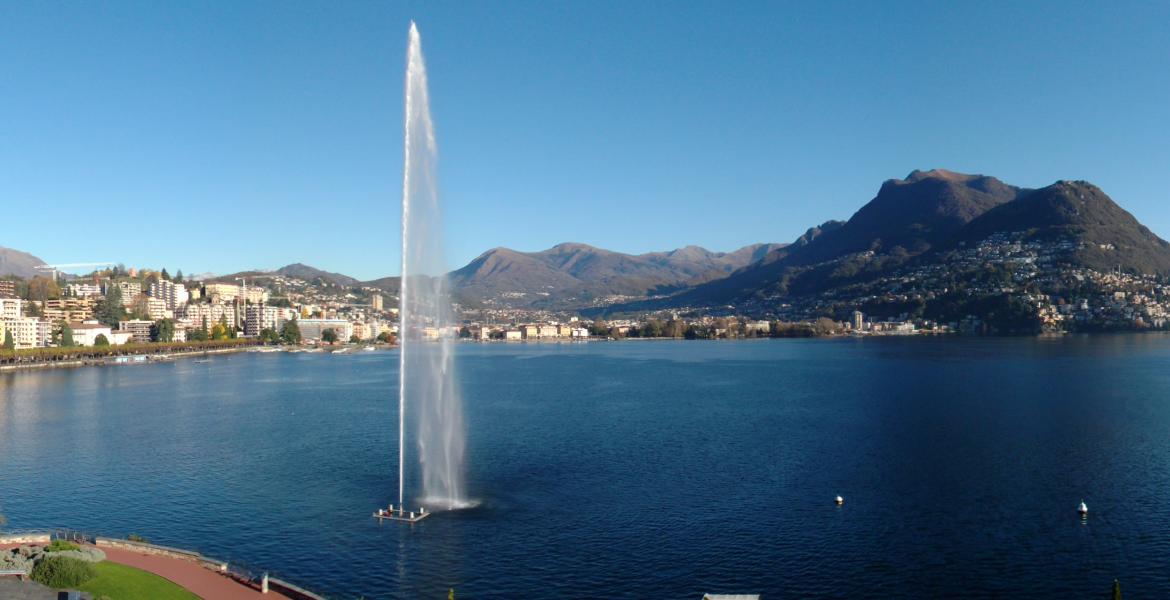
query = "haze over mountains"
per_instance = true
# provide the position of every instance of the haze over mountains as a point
(922, 219)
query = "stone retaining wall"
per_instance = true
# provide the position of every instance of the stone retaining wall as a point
(144, 548)
(25, 538)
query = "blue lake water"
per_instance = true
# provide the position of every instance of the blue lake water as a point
(634, 469)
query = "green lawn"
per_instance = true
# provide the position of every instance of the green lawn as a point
(119, 582)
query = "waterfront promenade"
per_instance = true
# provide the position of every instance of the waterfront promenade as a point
(193, 573)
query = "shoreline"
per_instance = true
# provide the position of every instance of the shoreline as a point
(108, 361)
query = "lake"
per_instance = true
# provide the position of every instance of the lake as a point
(634, 469)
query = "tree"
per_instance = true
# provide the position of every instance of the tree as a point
(42, 288)
(9, 343)
(354, 339)
(269, 336)
(329, 336)
(219, 331)
(386, 337)
(599, 327)
(290, 332)
(163, 330)
(164, 275)
(66, 335)
(109, 310)
(178, 276)
(101, 340)
(197, 335)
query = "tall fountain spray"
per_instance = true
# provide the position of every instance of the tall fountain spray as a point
(426, 370)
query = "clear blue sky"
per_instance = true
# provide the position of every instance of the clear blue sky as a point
(218, 136)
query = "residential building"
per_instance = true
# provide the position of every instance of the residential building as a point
(530, 332)
(83, 290)
(547, 331)
(173, 294)
(376, 302)
(312, 329)
(580, 333)
(130, 290)
(11, 308)
(28, 332)
(221, 292)
(258, 317)
(7, 288)
(858, 320)
(256, 295)
(119, 337)
(69, 309)
(513, 334)
(44, 333)
(138, 329)
(758, 326)
(85, 333)
(205, 316)
(154, 308)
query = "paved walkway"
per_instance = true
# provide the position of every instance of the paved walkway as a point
(202, 582)
(12, 588)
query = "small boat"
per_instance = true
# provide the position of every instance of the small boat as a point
(840, 501)
(1083, 509)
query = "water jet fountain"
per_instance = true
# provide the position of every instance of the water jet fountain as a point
(426, 351)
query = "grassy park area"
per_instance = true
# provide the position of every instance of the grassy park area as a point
(119, 582)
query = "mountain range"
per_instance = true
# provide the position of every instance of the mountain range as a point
(921, 220)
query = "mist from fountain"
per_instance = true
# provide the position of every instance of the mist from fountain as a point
(426, 364)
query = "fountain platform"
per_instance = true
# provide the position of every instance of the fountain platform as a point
(399, 514)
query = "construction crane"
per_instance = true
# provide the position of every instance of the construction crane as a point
(55, 269)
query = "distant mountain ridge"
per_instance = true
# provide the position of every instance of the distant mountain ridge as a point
(564, 276)
(16, 262)
(573, 273)
(303, 271)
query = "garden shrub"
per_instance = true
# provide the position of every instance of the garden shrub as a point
(61, 546)
(62, 572)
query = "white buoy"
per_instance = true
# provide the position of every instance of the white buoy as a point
(1083, 509)
(840, 501)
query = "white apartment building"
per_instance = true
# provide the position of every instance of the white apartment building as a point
(173, 294)
(11, 308)
(83, 290)
(258, 317)
(155, 308)
(205, 316)
(28, 332)
(223, 292)
(85, 333)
